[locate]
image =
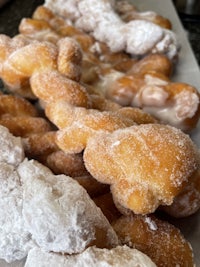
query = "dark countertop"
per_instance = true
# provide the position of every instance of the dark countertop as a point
(192, 26)
(23, 8)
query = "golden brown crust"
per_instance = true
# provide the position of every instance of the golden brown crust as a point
(94, 188)
(106, 204)
(16, 106)
(142, 177)
(188, 201)
(68, 164)
(24, 125)
(161, 241)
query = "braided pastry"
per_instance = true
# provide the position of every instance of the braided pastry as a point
(147, 77)
(118, 35)
(141, 176)
(177, 104)
(82, 123)
(128, 12)
(158, 239)
(21, 117)
(21, 65)
(82, 86)
(188, 201)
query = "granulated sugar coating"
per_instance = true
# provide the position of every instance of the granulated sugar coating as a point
(146, 165)
(158, 239)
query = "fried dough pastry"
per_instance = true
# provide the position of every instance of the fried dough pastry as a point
(92, 186)
(52, 64)
(24, 125)
(45, 24)
(15, 239)
(128, 11)
(121, 256)
(59, 213)
(153, 62)
(16, 106)
(188, 201)
(54, 211)
(158, 239)
(68, 164)
(39, 145)
(87, 16)
(177, 104)
(56, 87)
(82, 123)
(43, 148)
(106, 204)
(141, 176)
(148, 76)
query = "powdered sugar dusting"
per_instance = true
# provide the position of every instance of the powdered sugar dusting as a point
(15, 239)
(121, 256)
(152, 224)
(59, 213)
(11, 148)
(98, 17)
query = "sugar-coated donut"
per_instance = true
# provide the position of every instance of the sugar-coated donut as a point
(141, 176)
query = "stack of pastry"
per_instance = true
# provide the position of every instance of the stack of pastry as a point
(100, 126)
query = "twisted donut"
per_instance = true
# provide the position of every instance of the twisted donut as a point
(141, 176)
(148, 76)
(160, 240)
(117, 34)
(21, 65)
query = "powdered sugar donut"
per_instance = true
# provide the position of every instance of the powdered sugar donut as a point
(59, 213)
(121, 256)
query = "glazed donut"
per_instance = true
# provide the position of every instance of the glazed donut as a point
(158, 239)
(141, 176)
(152, 62)
(177, 104)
